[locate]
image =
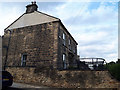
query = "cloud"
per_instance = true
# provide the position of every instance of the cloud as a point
(97, 44)
(107, 51)
(68, 10)
(8, 15)
(94, 28)
(94, 16)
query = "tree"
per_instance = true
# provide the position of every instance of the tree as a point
(118, 61)
(110, 63)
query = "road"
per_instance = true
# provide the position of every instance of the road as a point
(21, 86)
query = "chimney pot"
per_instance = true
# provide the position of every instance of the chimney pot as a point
(32, 2)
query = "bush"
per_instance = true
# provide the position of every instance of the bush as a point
(114, 69)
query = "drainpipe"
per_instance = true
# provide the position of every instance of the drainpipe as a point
(7, 50)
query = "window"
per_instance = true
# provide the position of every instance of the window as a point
(59, 33)
(74, 49)
(64, 38)
(23, 60)
(69, 41)
(69, 44)
(64, 61)
(63, 57)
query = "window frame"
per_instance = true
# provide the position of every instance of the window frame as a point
(64, 39)
(64, 61)
(69, 43)
(23, 59)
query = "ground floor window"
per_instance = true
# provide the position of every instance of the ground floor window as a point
(23, 60)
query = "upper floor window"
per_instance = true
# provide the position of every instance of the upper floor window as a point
(69, 42)
(64, 38)
(23, 60)
(74, 49)
(59, 33)
(64, 61)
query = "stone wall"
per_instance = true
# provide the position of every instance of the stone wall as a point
(41, 43)
(69, 49)
(67, 79)
(38, 42)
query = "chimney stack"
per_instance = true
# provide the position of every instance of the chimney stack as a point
(31, 7)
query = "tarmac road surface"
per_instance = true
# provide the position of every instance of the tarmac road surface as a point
(21, 86)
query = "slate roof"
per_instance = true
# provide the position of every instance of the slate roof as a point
(28, 19)
(35, 18)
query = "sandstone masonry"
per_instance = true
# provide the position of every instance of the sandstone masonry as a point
(44, 42)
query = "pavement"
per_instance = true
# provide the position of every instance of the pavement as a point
(22, 85)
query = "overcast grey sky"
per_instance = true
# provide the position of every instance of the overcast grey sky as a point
(94, 25)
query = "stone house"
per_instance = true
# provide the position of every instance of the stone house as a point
(35, 39)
